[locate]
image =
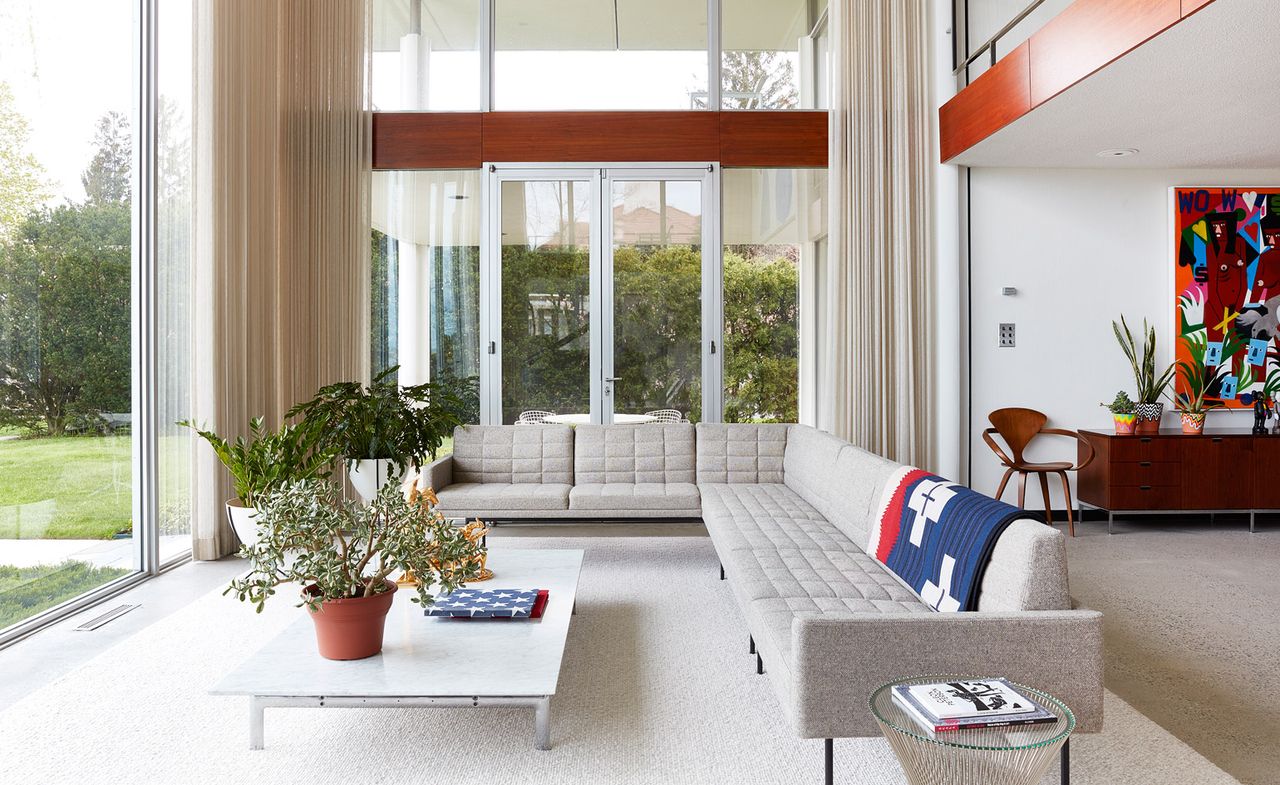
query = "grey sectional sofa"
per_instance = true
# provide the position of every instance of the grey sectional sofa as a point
(788, 509)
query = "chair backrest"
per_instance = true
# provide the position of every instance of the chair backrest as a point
(666, 415)
(1017, 426)
(533, 417)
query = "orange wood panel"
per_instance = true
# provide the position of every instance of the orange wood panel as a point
(1001, 95)
(773, 138)
(426, 140)
(1189, 7)
(601, 136)
(1088, 35)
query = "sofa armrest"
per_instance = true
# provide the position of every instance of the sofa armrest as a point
(437, 475)
(839, 660)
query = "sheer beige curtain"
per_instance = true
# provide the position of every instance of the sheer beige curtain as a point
(875, 383)
(283, 150)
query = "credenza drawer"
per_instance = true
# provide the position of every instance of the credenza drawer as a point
(1145, 473)
(1146, 497)
(1127, 449)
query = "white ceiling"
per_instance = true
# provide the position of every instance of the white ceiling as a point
(1203, 94)
(637, 25)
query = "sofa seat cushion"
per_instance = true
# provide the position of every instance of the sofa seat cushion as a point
(467, 496)
(818, 581)
(767, 515)
(638, 496)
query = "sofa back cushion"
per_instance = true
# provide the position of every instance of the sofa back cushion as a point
(859, 478)
(633, 453)
(1027, 571)
(513, 453)
(809, 466)
(741, 453)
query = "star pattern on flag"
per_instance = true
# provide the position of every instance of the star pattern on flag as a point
(494, 603)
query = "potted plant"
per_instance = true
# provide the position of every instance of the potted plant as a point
(1193, 402)
(383, 429)
(1149, 407)
(342, 555)
(261, 464)
(1123, 413)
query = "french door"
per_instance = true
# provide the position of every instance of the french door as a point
(601, 294)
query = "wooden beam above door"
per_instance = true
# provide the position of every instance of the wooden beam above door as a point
(465, 140)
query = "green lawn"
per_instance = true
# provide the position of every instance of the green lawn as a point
(25, 591)
(71, 487)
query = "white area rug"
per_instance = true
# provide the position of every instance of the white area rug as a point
(657, 687)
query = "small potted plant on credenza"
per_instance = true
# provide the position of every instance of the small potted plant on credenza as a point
(382, 430)
(1148, 406)
(1192, 401)
(262, 463)
(341, 555)
(1123, 413)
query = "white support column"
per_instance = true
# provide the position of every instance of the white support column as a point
(950, 408)
(413, 311)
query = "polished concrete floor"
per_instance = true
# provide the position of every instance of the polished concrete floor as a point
(1192, 626)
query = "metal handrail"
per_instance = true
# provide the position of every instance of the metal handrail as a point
(990, 43)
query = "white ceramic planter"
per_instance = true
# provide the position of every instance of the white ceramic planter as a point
(369, 475)
(243, 520)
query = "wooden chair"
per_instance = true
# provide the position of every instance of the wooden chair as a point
(1018, 427)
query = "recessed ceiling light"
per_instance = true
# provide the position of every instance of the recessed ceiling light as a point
(1119, 152)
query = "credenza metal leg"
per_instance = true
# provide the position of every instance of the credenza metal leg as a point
(1110, 518)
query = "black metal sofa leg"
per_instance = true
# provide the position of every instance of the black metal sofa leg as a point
(828, 763)
(751, 644)
(759, 664)
(721, 572)
(1065, 758)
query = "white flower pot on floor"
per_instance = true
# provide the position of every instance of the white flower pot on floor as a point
(369, 475)
(243, 520)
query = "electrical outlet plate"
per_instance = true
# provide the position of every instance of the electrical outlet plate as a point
(1007, 335)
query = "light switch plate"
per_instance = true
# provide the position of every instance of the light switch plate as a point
(1007, 335)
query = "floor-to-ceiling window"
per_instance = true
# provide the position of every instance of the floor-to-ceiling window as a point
(774, 230)
(425, 312)
(66, 141)
(70, 263)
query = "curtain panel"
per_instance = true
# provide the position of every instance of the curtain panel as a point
(283, 160)
(876, 373)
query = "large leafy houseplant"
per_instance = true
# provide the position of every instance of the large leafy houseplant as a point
(384, 428)
(341, 555)
(267, 459)
(263, 463)
(1150, 386)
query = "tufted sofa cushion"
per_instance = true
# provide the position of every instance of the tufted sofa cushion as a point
(637, 497)
(740, 453)
(809, 466)
(526, 454)
(610, 454)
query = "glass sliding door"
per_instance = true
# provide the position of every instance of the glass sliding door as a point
(653, 351)
(596, 284)
(544, 303)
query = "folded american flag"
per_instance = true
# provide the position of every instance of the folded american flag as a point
(486, 604)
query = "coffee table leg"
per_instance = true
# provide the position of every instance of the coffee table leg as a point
(542, 724)
(256, 714)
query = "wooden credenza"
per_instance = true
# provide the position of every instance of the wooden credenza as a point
(1223, 470)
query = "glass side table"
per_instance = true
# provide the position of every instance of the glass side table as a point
(1009, 755)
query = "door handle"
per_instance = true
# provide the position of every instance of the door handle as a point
(614, 379)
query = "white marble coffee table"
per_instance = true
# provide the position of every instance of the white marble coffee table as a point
(428, 662)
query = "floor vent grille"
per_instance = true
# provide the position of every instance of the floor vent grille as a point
(105, 618)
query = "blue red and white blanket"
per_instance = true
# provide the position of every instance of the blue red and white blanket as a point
(937, 536)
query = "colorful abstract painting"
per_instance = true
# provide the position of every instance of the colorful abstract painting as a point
(1227, 280)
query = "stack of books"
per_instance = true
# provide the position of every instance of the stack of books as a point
(973, 703)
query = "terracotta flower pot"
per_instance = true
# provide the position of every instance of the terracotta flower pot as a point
(1125, 423)
(351, 629)
(1149, 417)
(1193, 422)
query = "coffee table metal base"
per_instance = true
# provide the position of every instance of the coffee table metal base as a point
(258, 704)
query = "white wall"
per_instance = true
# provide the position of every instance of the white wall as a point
(1082, 247)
